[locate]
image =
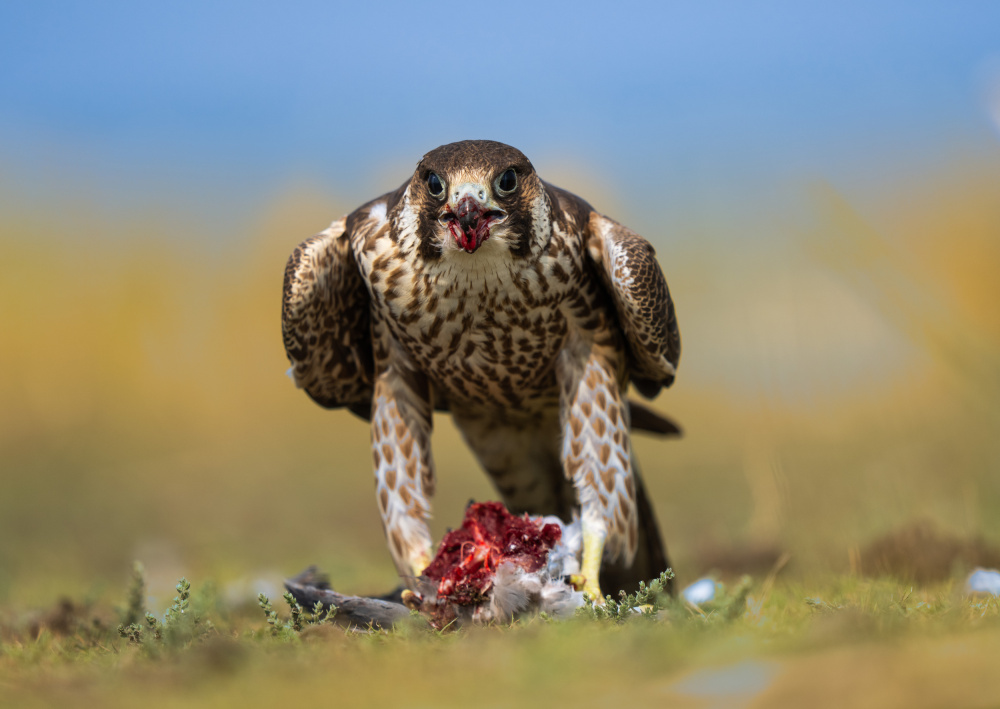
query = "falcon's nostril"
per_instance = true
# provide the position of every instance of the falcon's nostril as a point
(468, 212)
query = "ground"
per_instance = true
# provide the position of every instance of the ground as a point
(845, 642)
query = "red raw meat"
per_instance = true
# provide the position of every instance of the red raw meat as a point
(468, 557)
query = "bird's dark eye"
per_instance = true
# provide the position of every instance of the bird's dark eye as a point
(507, 182)
(434, 185)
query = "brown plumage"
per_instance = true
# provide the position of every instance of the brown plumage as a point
(480, 289)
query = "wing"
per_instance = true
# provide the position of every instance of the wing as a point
(627, 266)
(325, 322)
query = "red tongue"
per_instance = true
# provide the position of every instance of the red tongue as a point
(466, 238)
(472, 226)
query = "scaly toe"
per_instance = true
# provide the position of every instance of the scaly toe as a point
(593, 591)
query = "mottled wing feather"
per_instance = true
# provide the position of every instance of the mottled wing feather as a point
(627, 265)
(325, 322)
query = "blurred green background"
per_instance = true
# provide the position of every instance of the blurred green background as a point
(822, 188)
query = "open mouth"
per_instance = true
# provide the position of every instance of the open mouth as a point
(470, 226)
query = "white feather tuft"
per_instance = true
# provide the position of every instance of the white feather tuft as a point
(517, 591)
(377, 213)
(514, 590)
(564, 558)
(559, 599)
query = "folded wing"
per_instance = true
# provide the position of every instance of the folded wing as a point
(325, 322)
(627, 266)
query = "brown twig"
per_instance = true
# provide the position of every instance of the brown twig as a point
(357, 611)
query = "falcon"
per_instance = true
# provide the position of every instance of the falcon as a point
(479, 289)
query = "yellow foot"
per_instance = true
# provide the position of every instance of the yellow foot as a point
(593, 553)
(591, 590)
(419, 560)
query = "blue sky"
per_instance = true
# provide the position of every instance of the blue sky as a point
(230, 101)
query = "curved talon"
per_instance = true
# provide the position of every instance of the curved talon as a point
(593, 592)
(411, 600)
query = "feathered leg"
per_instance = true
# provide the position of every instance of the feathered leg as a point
(404, 469)
(596, 457)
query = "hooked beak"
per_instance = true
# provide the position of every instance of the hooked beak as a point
(469, 214)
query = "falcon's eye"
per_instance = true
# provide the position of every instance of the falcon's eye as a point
(434, 185)
(507, 182)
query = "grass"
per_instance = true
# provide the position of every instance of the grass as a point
(754, 642)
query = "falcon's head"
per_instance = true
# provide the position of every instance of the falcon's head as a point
(472, 192)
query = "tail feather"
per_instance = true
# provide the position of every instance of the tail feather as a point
(650, 421)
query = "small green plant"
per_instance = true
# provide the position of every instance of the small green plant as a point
(296, 619)
(648, 600)
(299, 618)
(322, 614)
(272, 618)
(136, 595)
(129, 627)
(181, 602)
(154, 626)
(132, 632)
(179, 626)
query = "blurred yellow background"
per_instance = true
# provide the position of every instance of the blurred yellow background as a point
(835, 382)
(822, 186)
